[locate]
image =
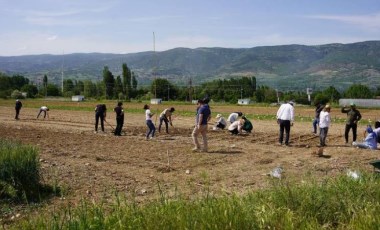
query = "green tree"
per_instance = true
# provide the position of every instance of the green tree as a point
(163, 88)
(45, 81)
(118, 88)
(19, 81)
(126, 72)
(332, 94)
(31, 90)
(52, 90)
(89, 89)
(109, 82)
(358, 91)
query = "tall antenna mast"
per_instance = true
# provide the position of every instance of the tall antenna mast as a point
(155, 65)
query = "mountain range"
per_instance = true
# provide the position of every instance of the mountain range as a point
(285, 67)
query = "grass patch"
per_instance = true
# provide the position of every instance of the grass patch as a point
(339, 203)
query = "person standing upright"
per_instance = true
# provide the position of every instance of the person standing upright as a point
(285, 118)
(202, 118)
(18, 108)
(119, 118)
(100, 113)
(324, 124)
(353, 116)
(318, 109)
(149, 122)
(166, 116)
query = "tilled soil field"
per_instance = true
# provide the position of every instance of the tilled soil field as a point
(95, 165)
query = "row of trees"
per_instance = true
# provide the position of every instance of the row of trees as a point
(125, 87)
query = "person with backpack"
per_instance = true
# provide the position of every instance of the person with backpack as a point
(100, 114)
(119, 118)
(166, 116)
(18, 108)
(149, 123)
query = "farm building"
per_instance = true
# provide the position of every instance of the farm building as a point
(370, 103)
(155, 101)
(77, 98)
(244, 101)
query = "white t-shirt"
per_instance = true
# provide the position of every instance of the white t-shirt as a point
(148, 115)
(286, 112)
(233, 117)
(235, 125)
(44, 108)
(324, 119)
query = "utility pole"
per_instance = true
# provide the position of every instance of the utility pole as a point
(155, 65)
(241, 92)
(63, 59)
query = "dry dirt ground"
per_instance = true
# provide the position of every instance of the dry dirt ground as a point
(85, 164)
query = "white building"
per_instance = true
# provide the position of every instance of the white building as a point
(155, 101)
(77, 98)
(244, 101)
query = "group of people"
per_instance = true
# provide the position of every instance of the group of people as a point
(285, 119)
(239, 123)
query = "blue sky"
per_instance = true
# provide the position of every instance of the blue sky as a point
(124, 26)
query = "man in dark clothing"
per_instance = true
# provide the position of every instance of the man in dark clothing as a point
(18, 108)
(119, 118)
(353, 116)
(100, 113)
(318, 108)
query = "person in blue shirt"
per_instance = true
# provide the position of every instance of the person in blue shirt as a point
(202, 118)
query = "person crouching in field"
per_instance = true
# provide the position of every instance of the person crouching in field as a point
(221, 123)
(100, 113)
(149, 123)
(45, 110)
(119, 118)
(324, 123)
(236, 127)
(234, 117)
(247, 125)
(370, 142)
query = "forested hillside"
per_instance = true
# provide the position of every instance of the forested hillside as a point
(283, 67)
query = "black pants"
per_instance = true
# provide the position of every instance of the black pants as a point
(119, 126)
(17, 113)
(234, 131)
(220, 125)
(354, 131)
(97, 117)
(164, 119)
(284, 125)
(41, 112)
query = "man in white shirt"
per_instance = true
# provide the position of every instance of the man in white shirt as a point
(45, 110)
(324, 123)
(285, 118)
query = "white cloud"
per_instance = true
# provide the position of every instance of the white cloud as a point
(371, 21)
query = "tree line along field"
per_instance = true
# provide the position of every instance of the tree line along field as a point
(95, 166)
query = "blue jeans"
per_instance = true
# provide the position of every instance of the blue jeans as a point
(315, 123)
(152, 128)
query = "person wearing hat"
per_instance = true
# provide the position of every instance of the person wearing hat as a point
(44, 109)
(353, 116)
(285, 118)
(119, 118)
(201, 120)
(324, 123)
(18, 108)
(370, 141)
(220, 123)
(166, 116)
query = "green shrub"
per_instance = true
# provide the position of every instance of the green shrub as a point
(19, 170)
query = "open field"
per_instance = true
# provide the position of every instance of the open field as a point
(92, 165)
